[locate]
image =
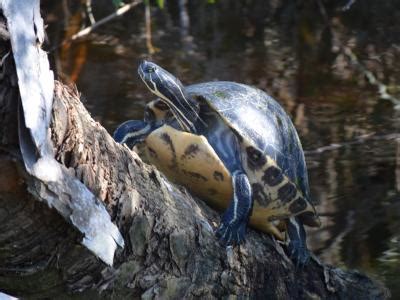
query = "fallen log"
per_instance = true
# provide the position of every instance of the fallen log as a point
(170, 251)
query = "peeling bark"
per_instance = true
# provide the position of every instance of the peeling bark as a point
(170, 249)
(54, 185)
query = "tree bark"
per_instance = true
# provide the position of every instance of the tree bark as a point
(170, 249)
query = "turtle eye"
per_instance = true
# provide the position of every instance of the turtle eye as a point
(149, 115)
(161, 105)
(253, 154)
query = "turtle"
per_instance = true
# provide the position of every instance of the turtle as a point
(232, 145)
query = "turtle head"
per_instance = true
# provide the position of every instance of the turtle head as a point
(171, 91)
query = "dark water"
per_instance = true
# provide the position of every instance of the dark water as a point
(351, 137)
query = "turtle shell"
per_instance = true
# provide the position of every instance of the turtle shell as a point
(189, 160)
(264, 131)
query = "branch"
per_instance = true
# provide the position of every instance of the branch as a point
(119, 12)
(348, 5)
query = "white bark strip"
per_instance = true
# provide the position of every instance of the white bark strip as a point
(60, 190)
(35, 79)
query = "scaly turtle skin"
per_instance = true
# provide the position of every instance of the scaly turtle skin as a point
(232, 145)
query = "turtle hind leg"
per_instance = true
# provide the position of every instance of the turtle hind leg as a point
(234, 220)
(297, 246)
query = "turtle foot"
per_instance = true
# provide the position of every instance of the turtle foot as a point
(231, 234)
(298, 254)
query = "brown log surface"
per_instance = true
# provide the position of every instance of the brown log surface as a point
(170, 248)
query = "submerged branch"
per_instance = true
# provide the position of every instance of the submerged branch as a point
(357, 141)
(371, 78)
(347, 52)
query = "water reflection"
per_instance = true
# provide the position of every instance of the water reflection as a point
(351, 137)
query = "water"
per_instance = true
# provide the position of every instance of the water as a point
(351, 137)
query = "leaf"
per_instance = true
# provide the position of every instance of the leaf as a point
(160, 3)
(117, 3)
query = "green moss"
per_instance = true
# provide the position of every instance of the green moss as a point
(220, 94)
(278, 121)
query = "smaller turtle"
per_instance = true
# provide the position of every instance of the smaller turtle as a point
(232, 145)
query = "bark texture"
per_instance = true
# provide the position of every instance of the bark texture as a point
(170, 249)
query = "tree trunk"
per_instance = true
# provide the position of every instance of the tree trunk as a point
(170, 249)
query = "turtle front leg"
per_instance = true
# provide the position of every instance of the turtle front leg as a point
(133, 132)
(232, 229)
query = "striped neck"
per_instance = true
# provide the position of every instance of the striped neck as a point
(171, 91)
(184, 108)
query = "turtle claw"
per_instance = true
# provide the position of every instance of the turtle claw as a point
(231, 234)
(298, 254)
